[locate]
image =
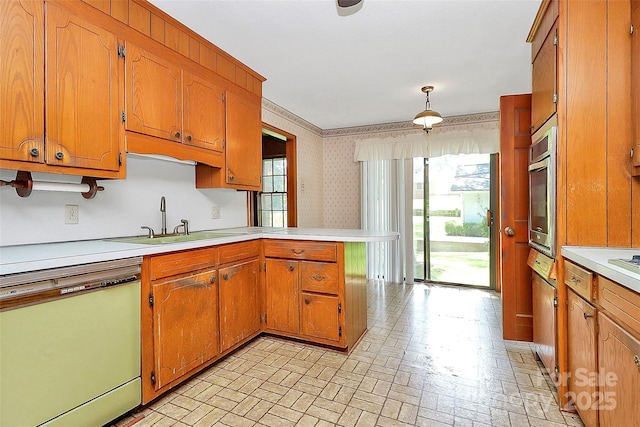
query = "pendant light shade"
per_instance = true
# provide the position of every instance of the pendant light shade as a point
(428, 117)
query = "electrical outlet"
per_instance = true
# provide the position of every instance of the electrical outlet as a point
(215, 212)
(71, 213)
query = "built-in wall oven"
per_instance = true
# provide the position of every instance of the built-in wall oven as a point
(542, 188)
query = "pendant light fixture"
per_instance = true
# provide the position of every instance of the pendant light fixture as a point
(428, 117)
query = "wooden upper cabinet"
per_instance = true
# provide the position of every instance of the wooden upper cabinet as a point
(204, 124)
(84, 128)
(153, 94)
(244, 143)
(543, 37)
(185, 323)
(22, 80)
(635, 85)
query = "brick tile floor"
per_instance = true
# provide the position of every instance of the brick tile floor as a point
(433, 356)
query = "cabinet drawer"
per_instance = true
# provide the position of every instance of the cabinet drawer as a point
(182, 262)
(293, 249)
(543, 265)
(620, 302)
(238, 251)
(319, 277)
(579, 279)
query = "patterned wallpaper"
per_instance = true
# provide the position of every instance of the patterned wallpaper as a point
(341, 183)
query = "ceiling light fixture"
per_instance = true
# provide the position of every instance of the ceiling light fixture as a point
(428, 117)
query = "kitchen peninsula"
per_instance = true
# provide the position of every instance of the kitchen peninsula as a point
(201, 299)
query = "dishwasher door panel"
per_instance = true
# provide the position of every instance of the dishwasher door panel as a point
(57, 355)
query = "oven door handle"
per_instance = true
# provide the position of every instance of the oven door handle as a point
(542, 164)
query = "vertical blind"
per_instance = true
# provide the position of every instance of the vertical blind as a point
(386, 205)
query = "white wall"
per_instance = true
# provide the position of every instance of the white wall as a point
(121, 208)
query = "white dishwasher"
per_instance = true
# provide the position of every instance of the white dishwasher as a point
(70, 344)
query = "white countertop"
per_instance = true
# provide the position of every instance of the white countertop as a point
(23, 258)
(597, 259)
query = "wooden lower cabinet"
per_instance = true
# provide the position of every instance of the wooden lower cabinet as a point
(185, 314)
(282, 296)
(199, 305)
(582, 358)
(619, 355)
(239, 303)
(179, 321)
(544, 323)
(320, 316)
(316, 291)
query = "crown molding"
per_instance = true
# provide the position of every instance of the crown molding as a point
(288, 115)
(466, 119)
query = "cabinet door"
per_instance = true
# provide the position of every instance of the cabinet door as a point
(153, 95)
(22, 80)
(619, 355)
(282, 297)
(543, 81)
(582, 353)
(319, 317)
(84, 128)
(544, 323)
(203, 113)
(239, 303)
(185, 325)
(635, 88)
(244, 142)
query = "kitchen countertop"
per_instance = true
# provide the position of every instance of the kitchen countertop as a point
(24, 258)
(597, 259)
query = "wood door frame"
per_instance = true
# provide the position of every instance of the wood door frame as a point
(292, 179)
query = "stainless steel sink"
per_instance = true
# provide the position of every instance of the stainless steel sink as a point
(175, 238)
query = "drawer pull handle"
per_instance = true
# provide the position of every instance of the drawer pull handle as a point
(308, 301)
(586, 316)
(636, 359)
(297, 251)
(318, 278)
(574, 279)
(177, 134)
(291, 268)
(212, 279)
(34, 152)
(225, 276)
(59, 155)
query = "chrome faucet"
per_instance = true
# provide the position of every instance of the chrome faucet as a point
(163, 210)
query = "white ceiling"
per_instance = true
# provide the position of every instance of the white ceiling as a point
(368, 67)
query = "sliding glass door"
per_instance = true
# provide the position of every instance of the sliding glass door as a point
(452, 204)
